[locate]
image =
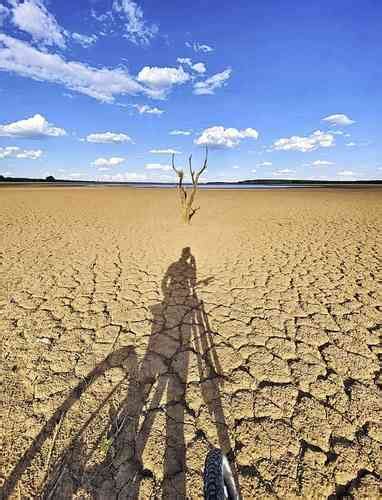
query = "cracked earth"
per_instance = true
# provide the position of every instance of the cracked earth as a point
(131, 344)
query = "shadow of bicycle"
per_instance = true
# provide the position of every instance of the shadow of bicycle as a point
(148, 429)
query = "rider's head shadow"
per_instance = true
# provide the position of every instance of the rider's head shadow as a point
(179, 280)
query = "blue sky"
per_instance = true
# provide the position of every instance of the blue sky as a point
(106, 89)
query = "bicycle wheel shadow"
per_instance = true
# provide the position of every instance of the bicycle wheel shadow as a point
(149, 424)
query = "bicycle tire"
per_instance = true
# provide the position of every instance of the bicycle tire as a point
(218, 479)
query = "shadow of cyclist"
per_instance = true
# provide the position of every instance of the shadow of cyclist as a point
(160, 384)
(156, 387)
(180, 328)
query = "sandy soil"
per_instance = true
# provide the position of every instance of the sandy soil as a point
(132, 343)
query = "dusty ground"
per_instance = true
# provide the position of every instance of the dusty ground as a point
(126, 357)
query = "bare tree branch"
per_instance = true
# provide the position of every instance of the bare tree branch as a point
(204, 166)
(179, 173)
(191, 171)
(187, 197)
(182, 192)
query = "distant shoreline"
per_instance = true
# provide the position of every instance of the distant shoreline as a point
(245, 184)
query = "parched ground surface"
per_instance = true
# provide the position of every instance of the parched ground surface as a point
(126, 357)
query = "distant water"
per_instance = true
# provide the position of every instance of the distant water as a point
(214, 186)
(250, 186)
(143, 185)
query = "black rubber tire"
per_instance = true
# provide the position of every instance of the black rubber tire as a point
(213, 475)
(218, 480)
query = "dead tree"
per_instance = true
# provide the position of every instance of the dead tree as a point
(187, 197)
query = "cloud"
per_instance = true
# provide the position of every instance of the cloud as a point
(108, 162)
(101, 83)
(4, 13)
(180, 132)
(199, 47)
(316, 140)
(220, 137)
(137, 30)
(347, 173)
(322, 163)
(34, 127)
(338, 119)
(236, 166)
(184, 60)
(16, 152)
(101, 17)
(253, 170)
(108, 138)
(123, 177)
(265, 164)
(284, 171)
(149, 110)
(157, 166)
(216, 81)
(198, 67)
(160, 80)
(84, 40)
(32, 17)
(351, 144)
(165, 151)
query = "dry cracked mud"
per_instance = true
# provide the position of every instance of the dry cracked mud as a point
(131, 344)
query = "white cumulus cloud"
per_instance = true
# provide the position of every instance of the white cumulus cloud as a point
(322, 163)
(34, 127)
(161, 80)
(149, 110)
(338, 119)
(221, 137)
(108, 138)
(101, 83)
(347, 173)
(114, 161)
(123, 177)
(314, 141)
(208, 86)
(198, 67)
(265, 164)
(84, 40)
(16, 152)
(32, 17)
(180, 132)
(136, 28)
(284, 171)
(164, 151)
(199, 47)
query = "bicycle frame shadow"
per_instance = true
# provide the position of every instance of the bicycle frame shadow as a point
(115, 359)
(156, 389)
